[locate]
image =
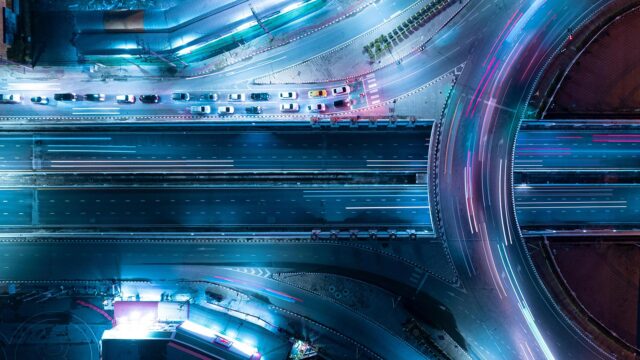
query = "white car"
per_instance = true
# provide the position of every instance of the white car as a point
(291, 107)
(288, 95)
(237, 97)
(226, 110)
(10, 98)
(340, 90)
(320, 107)
(126, 99)
(201, 109)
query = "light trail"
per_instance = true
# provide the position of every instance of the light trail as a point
(384, 207)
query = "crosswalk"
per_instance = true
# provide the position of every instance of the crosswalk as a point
(372, 88)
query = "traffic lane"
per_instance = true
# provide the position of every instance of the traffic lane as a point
(448, 49)
(16, 207)
(577, 150)
(112, 108)
(577, 205)
(309, 150)
(416, 71)
(478, 136)
(16, 152)
(308, 46)
(370, 207)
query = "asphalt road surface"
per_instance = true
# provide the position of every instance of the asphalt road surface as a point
(581, 150)
(258, 208)
(281, 149)
(577, 206)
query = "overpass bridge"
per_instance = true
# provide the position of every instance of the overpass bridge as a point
(577, 175)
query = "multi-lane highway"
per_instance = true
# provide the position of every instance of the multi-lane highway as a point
(577, 206)
(219, 208)
(570, 201)
(198, 149)
(604, 150)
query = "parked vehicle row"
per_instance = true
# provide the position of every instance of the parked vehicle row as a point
(211, 97)
(224, 110)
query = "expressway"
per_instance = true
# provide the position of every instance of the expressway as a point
(569, 202)
(197, 149)
(577, 206)
(218, 208)
(586, 150)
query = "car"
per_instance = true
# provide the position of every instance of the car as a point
(126, 99)
(41, 100)
(201, 109)
(180, 96)
(288, 95)
(318, 93)
(150, 99)
(226, 110)
(95, 97)
(342, 103)
(237, 97)
(260, 96)
(209, 97)
(65, 97)
(253, 110)
(340, 90)
(290, 107)
(320, 107)
(10, 98)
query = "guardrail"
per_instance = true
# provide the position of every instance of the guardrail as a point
(270, 120)
(316, 235)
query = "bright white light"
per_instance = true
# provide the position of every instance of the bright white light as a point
(210, 333)
(291, 7)
(536, 333)
(198, 329)
(246, 25)
(245, 348)
(135, 315)
(126, 46)
(231, 333)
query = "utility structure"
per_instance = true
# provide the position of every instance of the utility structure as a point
(260, 23)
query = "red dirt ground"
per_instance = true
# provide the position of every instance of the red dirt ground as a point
(607, 76)
(605, 279)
